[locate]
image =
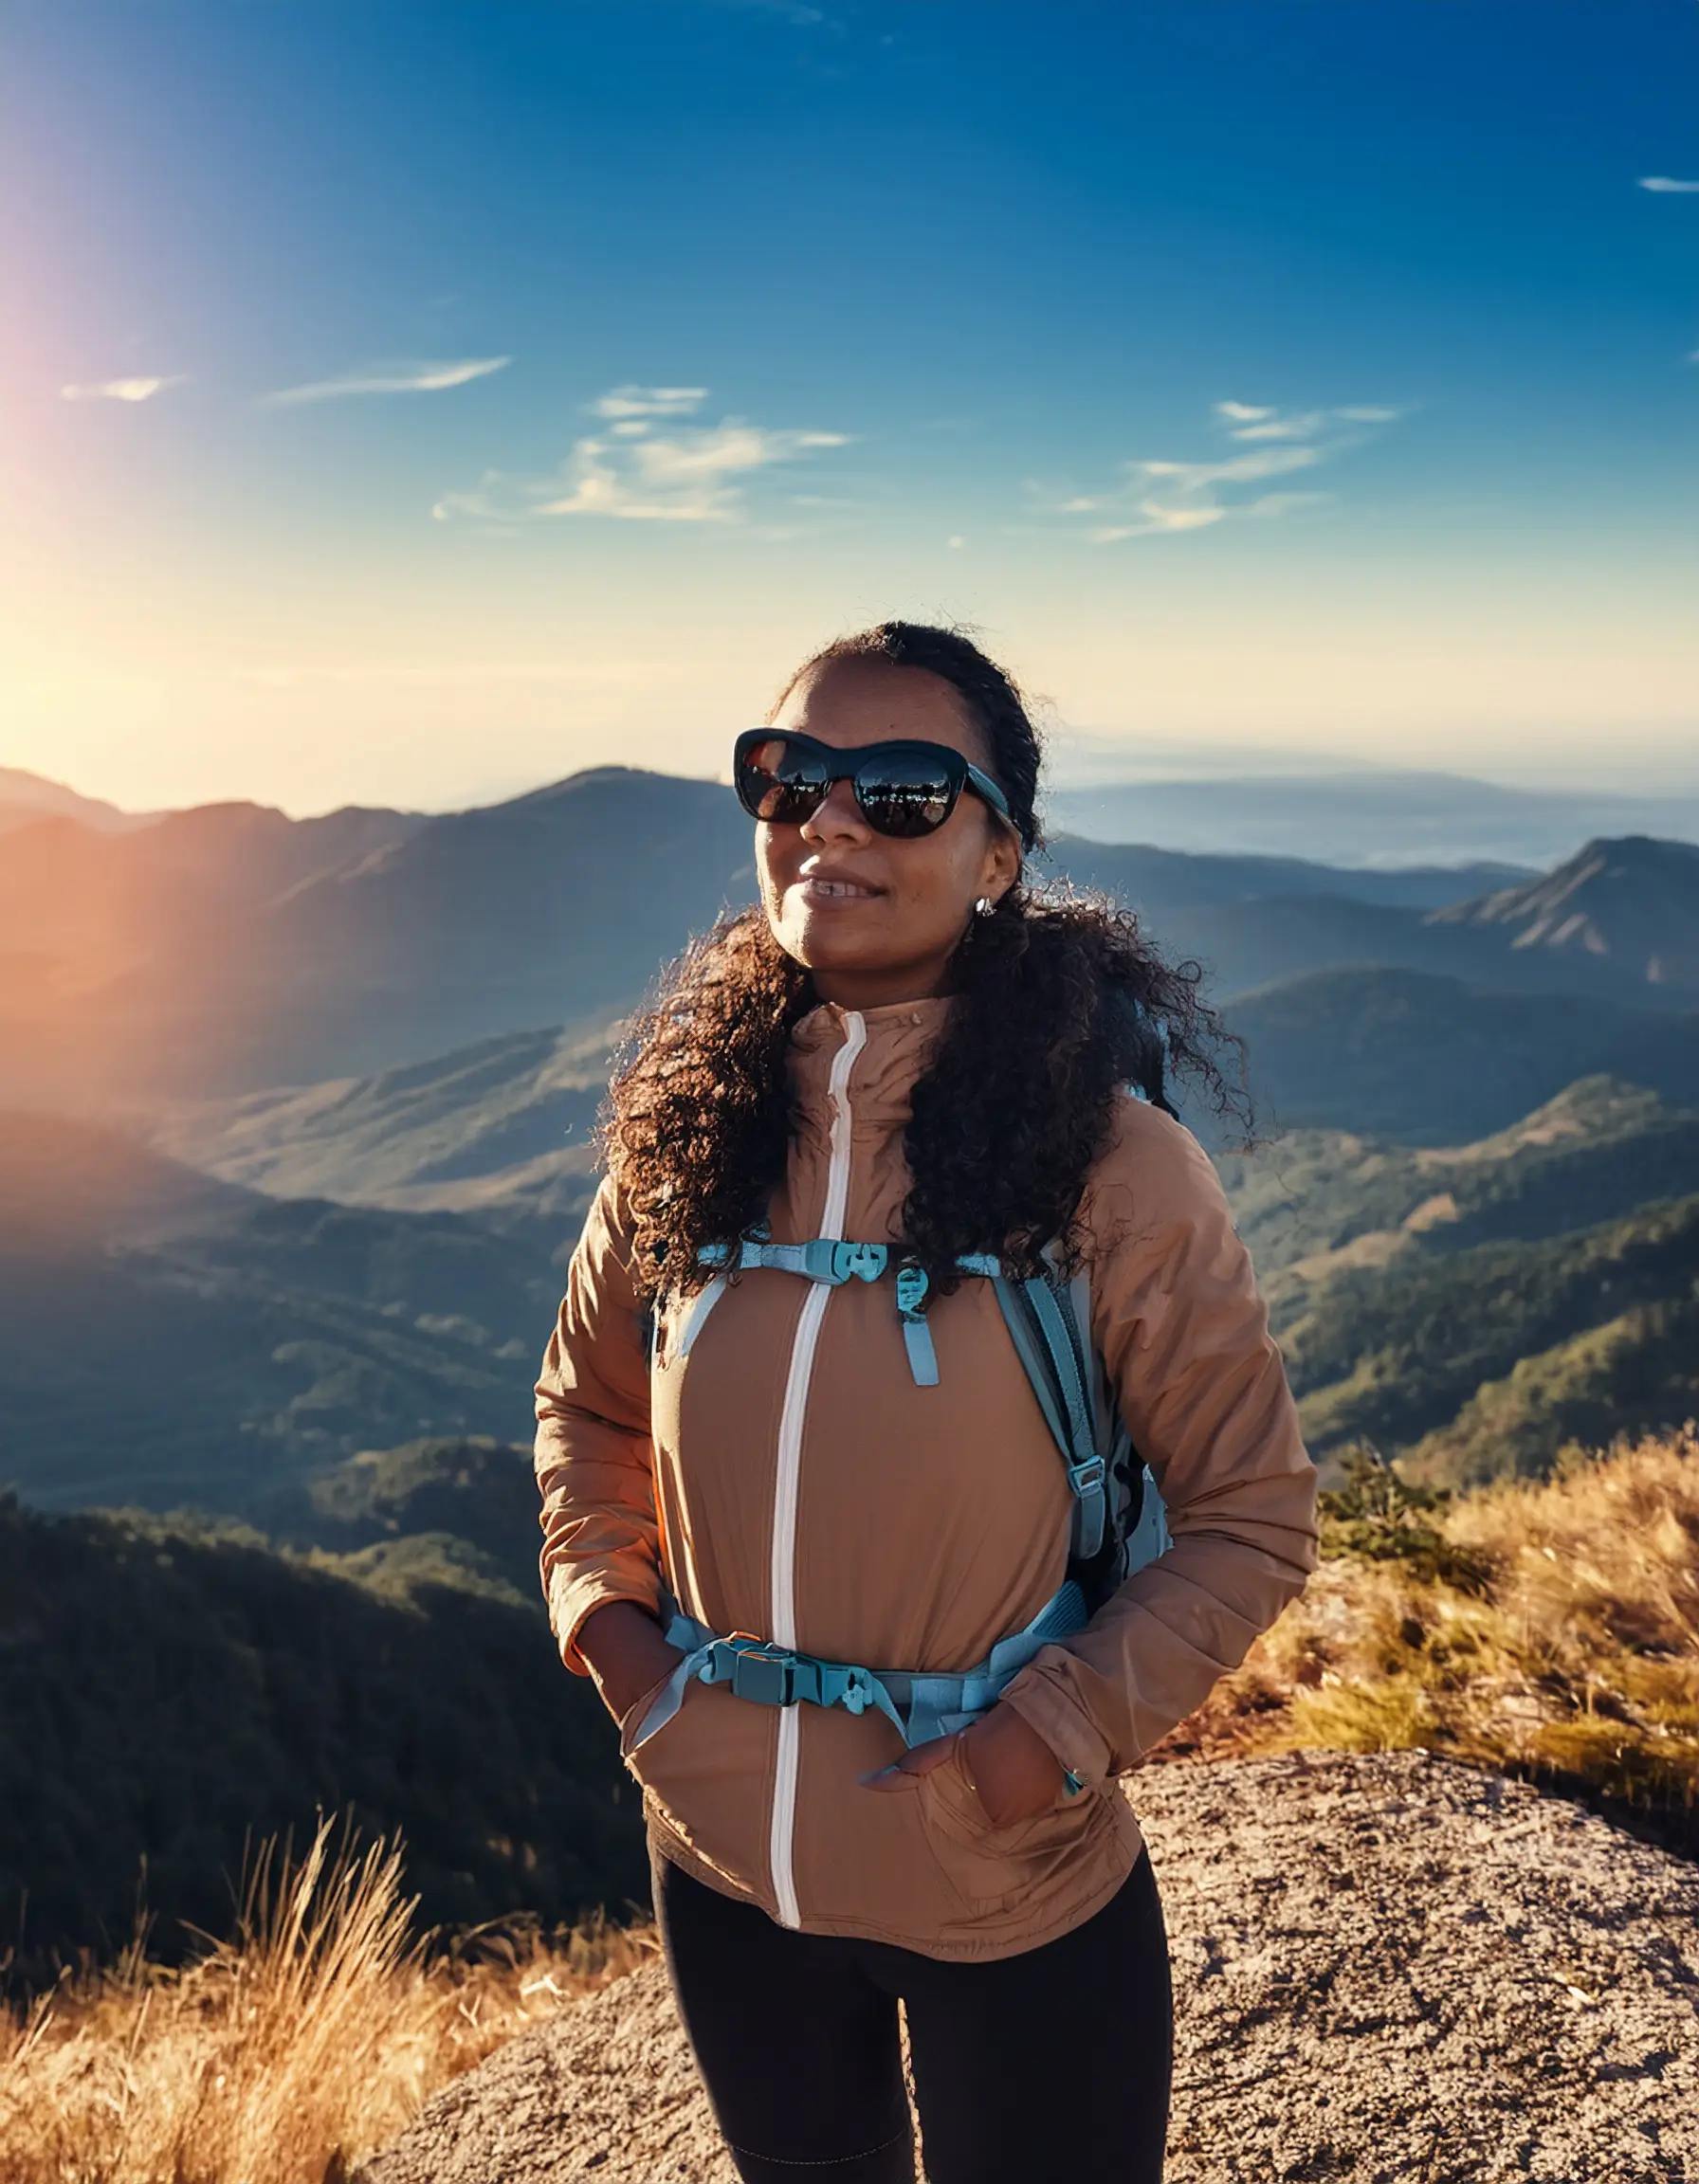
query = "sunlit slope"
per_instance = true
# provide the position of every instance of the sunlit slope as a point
(1482, 1305)
(1490, 1360)
(1313, 1203)
(166, 1340)
(507, 1121)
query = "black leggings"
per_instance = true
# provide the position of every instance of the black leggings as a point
(1055, 2063)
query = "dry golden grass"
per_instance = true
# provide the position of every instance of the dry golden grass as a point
(286, 2055)
(1546, 1629)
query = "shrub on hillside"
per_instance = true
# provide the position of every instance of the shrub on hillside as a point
(1549, 1629)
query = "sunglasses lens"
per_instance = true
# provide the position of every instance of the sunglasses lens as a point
(781, 782)
(905, 793)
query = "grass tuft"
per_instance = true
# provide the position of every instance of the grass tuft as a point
(1549, 1630)
(288, 2053)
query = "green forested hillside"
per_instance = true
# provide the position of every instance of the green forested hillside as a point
(1639, 1369)
(1315, 1201)
(1477, 1307)
(1597, 1330)
(387, 1511)
(169, 1693)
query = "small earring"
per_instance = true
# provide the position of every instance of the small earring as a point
(982, 908)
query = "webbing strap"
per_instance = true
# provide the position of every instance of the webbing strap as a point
(1087, 1471)
(822, 1259)
(832, 1261)
(917, 1337)
(919, 1706)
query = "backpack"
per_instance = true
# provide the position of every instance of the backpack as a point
(1117, 1524)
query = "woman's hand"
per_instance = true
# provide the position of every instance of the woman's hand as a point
(1012, 1769)
(622, 1646)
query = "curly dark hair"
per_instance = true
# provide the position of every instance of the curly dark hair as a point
(1059, 1003)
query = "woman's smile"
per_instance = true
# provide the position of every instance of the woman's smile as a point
(834, 891)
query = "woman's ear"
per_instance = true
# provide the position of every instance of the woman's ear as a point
(1001, 868)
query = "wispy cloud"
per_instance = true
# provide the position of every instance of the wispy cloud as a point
(416, 377)
(1666, 186)
(1156, 496)
(647, 467)
(629, 403)
(140, 389)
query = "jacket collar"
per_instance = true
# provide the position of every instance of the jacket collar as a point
(898, 1046)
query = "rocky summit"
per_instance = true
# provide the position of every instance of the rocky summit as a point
(1387, 1966)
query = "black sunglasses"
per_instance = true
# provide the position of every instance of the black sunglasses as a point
(901, 789)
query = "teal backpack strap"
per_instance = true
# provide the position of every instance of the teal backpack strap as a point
(1040, 1320)
(1033, 1353)
(912, 1287)
(917, 1337)
(1087, 1473)
(825, 1259)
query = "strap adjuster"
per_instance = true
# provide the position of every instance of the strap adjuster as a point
(1087, 1477)
(761, 1675)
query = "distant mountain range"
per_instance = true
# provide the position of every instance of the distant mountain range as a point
(1366, 817)
(230, 949)
(1631, 904)
(26, 797)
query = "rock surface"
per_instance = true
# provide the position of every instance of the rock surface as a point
(1386, 1967)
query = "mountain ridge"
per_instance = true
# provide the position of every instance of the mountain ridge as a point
(1633, 901)
(230, 949)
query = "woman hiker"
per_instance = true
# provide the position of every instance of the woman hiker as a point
(899, 1242)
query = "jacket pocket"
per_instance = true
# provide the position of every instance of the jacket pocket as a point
(708, 1778)
(637, 1713)
(981, 1859)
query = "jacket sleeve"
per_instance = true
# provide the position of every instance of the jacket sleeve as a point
(594, 1461)
(1183, 1334)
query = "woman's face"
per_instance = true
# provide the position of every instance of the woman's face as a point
(875, 919)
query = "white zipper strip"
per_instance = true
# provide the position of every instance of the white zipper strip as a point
(781, 1837)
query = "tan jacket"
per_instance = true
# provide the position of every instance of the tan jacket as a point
(780, 1473)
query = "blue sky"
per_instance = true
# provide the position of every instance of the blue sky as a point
(412, 402)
